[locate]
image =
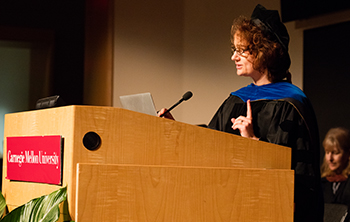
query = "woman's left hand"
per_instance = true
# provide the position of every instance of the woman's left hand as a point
(167, 115)
(245, 124)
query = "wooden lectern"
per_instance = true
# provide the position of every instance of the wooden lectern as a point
(148, 168)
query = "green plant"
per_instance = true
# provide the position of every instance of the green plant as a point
(42, 209)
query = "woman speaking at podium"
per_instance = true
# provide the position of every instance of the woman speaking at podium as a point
(271, 108)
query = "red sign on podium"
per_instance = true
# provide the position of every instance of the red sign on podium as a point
(35, 159)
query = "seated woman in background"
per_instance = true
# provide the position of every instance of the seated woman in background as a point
(335, 169)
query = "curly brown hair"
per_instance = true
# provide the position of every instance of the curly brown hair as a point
(268, 53)
(336, 137)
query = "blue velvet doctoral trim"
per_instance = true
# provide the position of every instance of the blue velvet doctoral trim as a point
(272, 91)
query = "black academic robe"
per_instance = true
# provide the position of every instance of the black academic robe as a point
(342, 195)
(290, 123)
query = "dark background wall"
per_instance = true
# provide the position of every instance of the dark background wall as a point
(302, 9)
(327, 74)
(66, 19)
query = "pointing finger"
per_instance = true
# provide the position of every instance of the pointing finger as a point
(249, 110)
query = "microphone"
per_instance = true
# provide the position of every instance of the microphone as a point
(185, 97)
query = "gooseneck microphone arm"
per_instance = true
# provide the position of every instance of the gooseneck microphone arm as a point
(185, 97)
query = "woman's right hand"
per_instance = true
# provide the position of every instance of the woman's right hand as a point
(245, 124)
(167, 115)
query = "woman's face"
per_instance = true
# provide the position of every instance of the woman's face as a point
(336, 159)
(243, 59)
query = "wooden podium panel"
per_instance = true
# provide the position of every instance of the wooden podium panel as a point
(131, 138)
(151, 193)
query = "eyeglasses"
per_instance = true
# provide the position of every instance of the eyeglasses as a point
(240, 51)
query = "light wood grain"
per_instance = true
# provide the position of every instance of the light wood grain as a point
(152, 193)
(131, 138)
